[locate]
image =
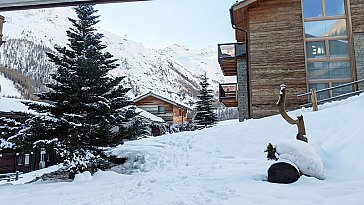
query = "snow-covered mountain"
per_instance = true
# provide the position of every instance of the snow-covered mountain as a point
(172, 71)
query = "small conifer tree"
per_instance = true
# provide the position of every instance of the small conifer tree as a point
(205, 115)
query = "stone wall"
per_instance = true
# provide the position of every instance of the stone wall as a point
(243, 97)
(358, 39)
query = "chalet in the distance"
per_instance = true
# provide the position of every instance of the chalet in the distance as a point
(304, 44)
(169, 110)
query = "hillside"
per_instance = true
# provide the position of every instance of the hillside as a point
(172, 71)
(224, 164)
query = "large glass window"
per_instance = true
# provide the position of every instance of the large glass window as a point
(327, 45)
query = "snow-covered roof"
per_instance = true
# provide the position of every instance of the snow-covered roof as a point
(164, 98)
(146, 114)
(14, 105)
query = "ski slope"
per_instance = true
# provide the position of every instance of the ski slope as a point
(224, 164)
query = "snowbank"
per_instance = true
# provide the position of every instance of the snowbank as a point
(303, 155)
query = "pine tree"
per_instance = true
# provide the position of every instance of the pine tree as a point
(205, 115)
(83, 114)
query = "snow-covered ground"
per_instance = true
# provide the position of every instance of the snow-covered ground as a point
(225, 164)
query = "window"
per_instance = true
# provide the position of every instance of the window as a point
(335, 7)
(161, 109)
(329, 70)
(327, 42)
(320, 86)
(342, 90)
(339, 48)
(325, 28)
(312, 8)
(316, 49)
(26, 159)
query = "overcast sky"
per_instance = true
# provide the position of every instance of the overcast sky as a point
(160, 23)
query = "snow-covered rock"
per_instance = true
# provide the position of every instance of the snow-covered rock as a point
(84, 176)
(303, 155)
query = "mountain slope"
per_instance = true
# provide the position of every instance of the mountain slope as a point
(171, 71)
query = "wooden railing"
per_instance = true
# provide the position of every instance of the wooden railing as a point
(11, 176)
(315, 102)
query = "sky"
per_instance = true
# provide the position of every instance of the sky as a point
(161, 23)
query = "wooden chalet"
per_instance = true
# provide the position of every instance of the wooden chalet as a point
(22, 160)
(26, 161)
(303, 44)
(170, 111)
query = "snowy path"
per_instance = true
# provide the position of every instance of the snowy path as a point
(223, 165)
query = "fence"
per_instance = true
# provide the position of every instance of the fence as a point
(314, 102)
(11, 176)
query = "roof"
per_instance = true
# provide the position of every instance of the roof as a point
(242, 4)
(164, 98)
(14, 105)
(145, 114)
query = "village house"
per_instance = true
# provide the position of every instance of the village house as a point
(304, 44)
(169, 110)
(21, 160)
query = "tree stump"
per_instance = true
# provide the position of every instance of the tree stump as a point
(283, 173)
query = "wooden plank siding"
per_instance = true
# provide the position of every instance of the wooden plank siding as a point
(277, 55)
(357, 15)
(171, 114)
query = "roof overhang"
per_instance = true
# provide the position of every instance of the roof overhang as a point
(141, 97)
(242, 4)
(12, 5)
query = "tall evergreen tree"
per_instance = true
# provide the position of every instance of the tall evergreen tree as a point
(205, 115)
(82, 115)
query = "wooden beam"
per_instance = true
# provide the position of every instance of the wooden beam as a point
(27, 5)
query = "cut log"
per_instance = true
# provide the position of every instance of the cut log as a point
(283, 173)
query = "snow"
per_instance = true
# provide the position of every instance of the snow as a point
(15, 105)
(303, 155)
(146, 114)
(225, 164)
(7, 88)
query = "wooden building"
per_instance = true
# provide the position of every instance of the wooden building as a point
(26, 161)
(301, 43)
(169, 110)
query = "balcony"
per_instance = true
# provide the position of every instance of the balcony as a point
(228, 53)
(228, 94)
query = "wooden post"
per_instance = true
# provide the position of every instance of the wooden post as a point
(301, 135)
(2, 20)
(16, 175)
(314, 100)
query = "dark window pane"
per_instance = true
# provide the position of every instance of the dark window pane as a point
(319, 86)
(161, 109)
(335, 8)
(325, 28)
(312, 8)
(316, 49)
(329, 70)
(342, 90)
(339, 48)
